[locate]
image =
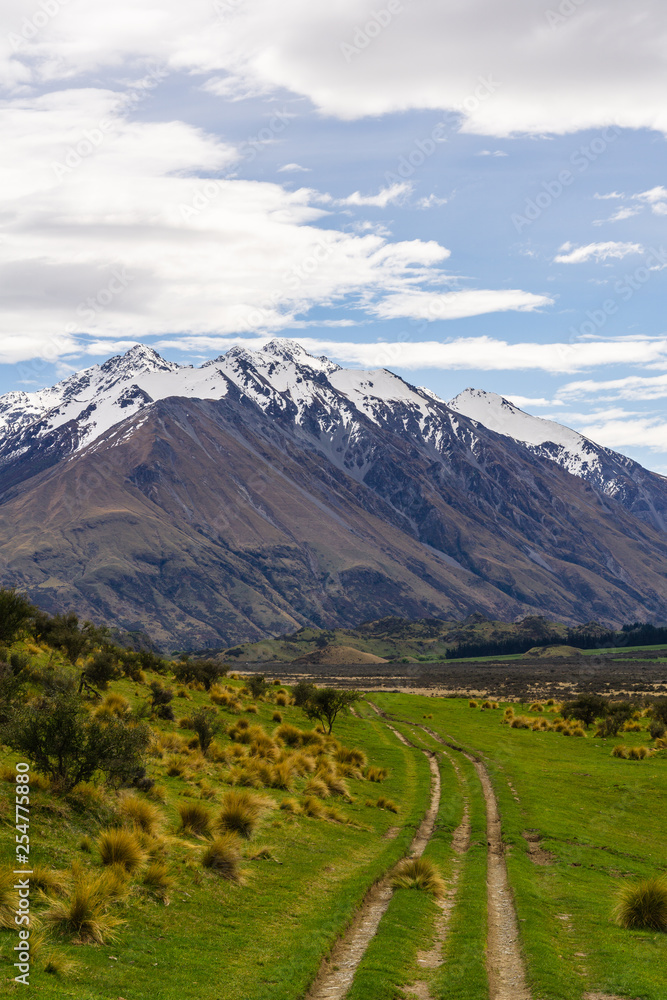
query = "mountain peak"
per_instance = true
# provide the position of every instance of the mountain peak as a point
(283, 347)
(141, 357)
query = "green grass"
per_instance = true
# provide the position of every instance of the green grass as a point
(603, 819)
(219, 940)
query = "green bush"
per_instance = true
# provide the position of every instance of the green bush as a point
(60, 739)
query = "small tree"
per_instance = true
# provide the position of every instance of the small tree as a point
(205, 672)
(206, 725)
(60, 740)
(16, 612)
(659, 709)
(586, 708)
(160, 701)
(257, 685)
(302, 693)
(324, 704)
(13, 676)
(103, 667)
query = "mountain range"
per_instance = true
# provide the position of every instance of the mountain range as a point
(271, 490)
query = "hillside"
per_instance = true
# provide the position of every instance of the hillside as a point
(270, 491)
(394, 638)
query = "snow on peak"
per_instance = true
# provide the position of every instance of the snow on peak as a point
(142, 358)
(575, 452)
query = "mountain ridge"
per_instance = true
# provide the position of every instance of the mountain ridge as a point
(298, 493)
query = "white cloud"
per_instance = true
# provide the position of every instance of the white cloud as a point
(628, 432)
(432, 305)
(392, 195)
(473, 353)
(631, 387)
(627, 212)
(502, 66)
(491, 152)
(656, 198)
(121, 229)
(527, 402)
(606, 197)
(596, 251)
(431, 201)
(294, 168)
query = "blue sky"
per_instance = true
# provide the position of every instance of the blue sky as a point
(467, 193)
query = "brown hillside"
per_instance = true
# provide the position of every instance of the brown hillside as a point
(332, 655)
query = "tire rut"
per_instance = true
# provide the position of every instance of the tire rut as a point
(336, 973)
(505, 966)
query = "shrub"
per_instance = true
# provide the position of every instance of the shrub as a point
(61, 741)
(84, 912)
(160, 701)
(120, 847)
(223, 856)
(643, 905)
(472, 703)
(241, 812)
(16, 612)
(102, 668)
(419, 873)
(141, 814)
(325, 704)
(205, 672)
(657, 729)
(257, 685)
(586, 708)
(206, 725)
(195, 818)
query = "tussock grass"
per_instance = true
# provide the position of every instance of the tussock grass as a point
(9, 899)
(157, 879)
(419, 873)
(290, 806)
(289, 735)
(283, 775)
(195, 819)
(377, 774)
(59, 965)
(313, 807)
(118, 846)
(223, 856)
(351, 755)
(86, 844)
(49, 880)
(241, 813)
(643, 905)
(84, 912)
(140, 814)
(389, 804)
(317, 786)
(276, 717)
(281, 700)
(472, 703)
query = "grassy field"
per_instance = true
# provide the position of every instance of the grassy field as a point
(595, 821)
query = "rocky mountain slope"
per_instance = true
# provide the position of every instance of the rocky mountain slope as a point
(615, 476)
(271, 490)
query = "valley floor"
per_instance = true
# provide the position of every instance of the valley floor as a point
(533, 833)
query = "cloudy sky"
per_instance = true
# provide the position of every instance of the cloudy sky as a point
(466, 191)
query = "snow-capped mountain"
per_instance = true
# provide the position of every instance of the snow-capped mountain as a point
(270, 489)
(616, 476)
